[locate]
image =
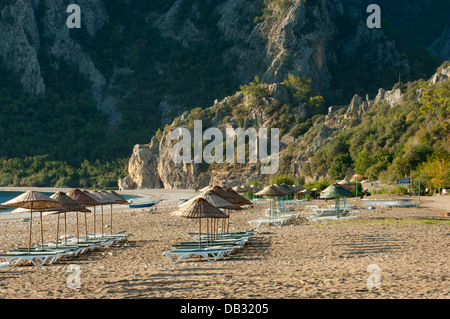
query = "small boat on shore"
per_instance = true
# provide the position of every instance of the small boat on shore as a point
(143, 204)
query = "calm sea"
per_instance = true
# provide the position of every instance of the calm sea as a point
(6, 196)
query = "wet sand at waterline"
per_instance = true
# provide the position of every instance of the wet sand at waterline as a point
(299, 260)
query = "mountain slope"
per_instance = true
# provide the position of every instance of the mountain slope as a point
(388, 137)
(135, 66)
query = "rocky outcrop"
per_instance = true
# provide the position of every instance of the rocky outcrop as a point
(440, 76)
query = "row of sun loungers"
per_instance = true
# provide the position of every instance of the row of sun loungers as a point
(211, 250)
(51, 253)
(400, 202)
(279, 220)
(320, 215)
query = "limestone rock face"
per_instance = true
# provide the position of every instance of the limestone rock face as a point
(20, 40)
(441, 76)
(142, 167)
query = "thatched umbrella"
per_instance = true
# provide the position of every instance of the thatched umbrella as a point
(214, 199)
(3, 207)
(68, 205)
(315, 190)
(199, 208)
(347, 184)
(103, 199)
(335, 191)
(84, 200)
(271, 192)
(33, 201)
(119, 200)
(306, 192)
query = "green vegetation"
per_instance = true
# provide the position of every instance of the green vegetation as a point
(40, 171)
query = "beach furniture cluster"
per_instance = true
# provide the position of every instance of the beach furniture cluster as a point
(213, 208)
(54, 252)
(279, 197)
(389, 202)
(62, 248)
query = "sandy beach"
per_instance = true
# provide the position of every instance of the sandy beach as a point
(301, 260)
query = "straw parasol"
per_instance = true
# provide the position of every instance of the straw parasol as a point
(84, 200)
(347, 184)
(118, 200)
(214, 199)
(271, 191)
(199, 208)
(3, 207)
(335, 191)
(33, 201)
(305, 191)
(68, 205)
(103, 199)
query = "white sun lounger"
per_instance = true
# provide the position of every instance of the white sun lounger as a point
(209, 253)
(36, 258)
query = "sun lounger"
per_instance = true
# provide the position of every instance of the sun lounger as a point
(277, 222)
(210, 254)
(37, 258)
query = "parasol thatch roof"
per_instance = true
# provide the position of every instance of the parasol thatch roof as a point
(199, 208)
(306, 191)
(298, 188)
(82, 198)
(214, 199)
(239, 189)
(3, 207)
(288, 188)
(334, 191)
(32, 200)
(237, 198)
(281, 189)
(102, 199)
(346, 184)
(119, 199)
(271, 190)
(68, 202)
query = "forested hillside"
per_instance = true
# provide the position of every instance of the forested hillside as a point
(86, 96)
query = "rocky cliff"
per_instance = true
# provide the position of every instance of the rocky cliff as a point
(151, 166)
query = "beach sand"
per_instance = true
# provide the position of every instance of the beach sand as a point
(300, 260)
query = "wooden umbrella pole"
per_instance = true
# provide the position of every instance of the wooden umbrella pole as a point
(78, 232)
(111, 220)
(31, 227)
(95, 229)
(200, 233)
(57, 230)
(207, 231)
(102, 222)
(42, 232)
(65, 229)
(85, 225)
